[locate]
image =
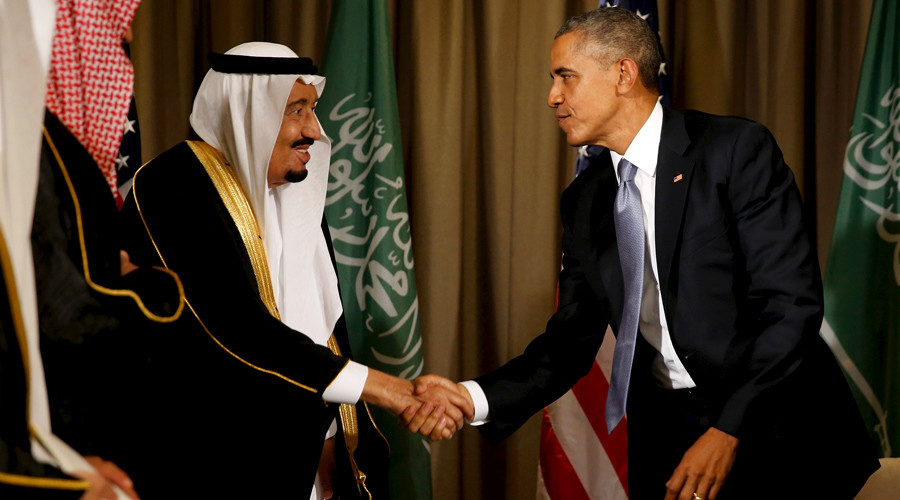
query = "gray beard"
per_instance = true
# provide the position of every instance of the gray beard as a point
(294, 176)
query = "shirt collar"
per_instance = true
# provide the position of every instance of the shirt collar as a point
(644, 148)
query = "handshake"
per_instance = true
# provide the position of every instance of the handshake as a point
(432, 406)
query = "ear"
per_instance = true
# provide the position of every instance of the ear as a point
(627, 76)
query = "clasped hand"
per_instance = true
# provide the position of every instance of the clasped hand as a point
(440, 408)
(433, 406)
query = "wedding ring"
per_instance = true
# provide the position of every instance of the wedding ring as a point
(697, 497)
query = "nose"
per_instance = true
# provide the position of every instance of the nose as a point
(310, 128)
(555, 98)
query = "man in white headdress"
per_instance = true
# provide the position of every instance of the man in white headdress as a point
(246, 381)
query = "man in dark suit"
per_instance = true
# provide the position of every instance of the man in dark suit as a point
(699, 261)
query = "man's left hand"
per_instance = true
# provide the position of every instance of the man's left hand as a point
(704, 467)
(114, 475)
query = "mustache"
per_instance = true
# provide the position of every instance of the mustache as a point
(306, 141)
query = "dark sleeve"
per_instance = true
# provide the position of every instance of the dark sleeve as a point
(22, 477)
(555, 360)
(190, 228)
(87, 327)
(68, 311)
(783, 303)
(81, 293)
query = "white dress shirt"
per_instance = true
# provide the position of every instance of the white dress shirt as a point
(643, 153)
(667, 368)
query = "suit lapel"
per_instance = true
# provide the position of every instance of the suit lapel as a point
(603, 233)
(673, 178)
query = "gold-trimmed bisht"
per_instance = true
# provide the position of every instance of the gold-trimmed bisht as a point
(84, 257)
(235, 200)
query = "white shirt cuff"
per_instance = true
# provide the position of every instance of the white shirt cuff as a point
(348, 385)
(482, 412)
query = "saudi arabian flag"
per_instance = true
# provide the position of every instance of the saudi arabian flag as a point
(862, 278)
(369, 220)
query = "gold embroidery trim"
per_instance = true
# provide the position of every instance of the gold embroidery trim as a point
(350, 424)
(332, 344)
(84, 259)
(229, 189)
(377, 429)
(137, 204)
(242, 360)
(44, 482)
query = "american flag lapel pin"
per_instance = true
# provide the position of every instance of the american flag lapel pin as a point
(677, 178)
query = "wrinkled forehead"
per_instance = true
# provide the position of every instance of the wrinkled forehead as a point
(302, 93)
(316, 81)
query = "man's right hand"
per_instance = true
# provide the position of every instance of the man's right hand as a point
(704, 467)
(445, 394)
(434, 408)
(440, 413)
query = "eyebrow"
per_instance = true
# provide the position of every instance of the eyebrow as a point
(302, 100)
(561, 70)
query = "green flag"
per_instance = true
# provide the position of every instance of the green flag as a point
(862, 278)
(368, 216)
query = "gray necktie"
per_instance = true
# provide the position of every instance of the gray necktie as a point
(629, 219)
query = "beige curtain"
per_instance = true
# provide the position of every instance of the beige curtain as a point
(791, 65)
(485, 161)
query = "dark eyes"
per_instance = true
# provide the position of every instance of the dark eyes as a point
(299, 110)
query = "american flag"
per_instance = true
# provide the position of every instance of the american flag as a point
(128, 160)
(578, 459)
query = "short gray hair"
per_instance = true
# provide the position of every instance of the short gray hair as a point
(611, 34)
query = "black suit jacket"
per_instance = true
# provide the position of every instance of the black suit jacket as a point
(738, 277)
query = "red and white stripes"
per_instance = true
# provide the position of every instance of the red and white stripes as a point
(578, 459)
